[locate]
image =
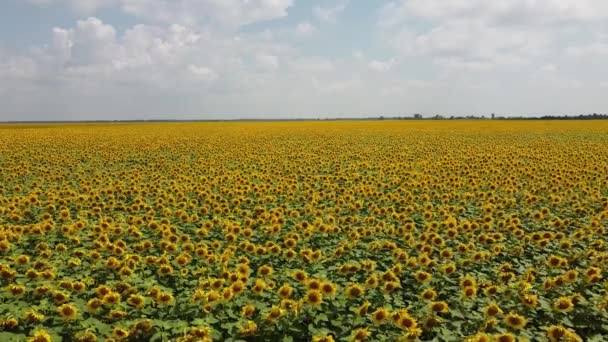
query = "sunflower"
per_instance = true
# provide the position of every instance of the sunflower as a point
(328, 289)
(111, 298)
(86, 336)
(570, 276)
(360, 334)
(248, 329)
(372, 281)
(93, 305)
(79, 286)
(439, 307)
(479, 337)
(286, 291)
(213, 296)
(558, 333)
(354, 291)
(492, 310)
(10, 323)
(448, 268)
(406, 322)
(491, 290)
(200, 332)
(422, 276)
(239, 286)
(67, 312)
(469, 292)
(431, 322)
(165, 270)
(390, 286)
(428, 294)
(291, 305)
(468, 281)
(136, 301)
(300, 276)
(363, 308)
(530, 300)
(259, 286)
(227, 294)
(275, 313)
(380, 315)
(265, 271)
(504, 337)
(410, 335)
(117, 314)
(247, 310)
(321, 338)
(515, 321)
(16, 290)
(563, 304)
(33, 316)
(60, 297)
(40, 335)
(165, 298)
(120, 333)
(313, 297)
(144, 325)
(313, 284)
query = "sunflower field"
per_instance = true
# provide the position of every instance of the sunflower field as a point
(304, 231)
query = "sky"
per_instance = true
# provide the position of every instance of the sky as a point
(238, 59)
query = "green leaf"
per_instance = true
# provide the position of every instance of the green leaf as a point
(159, 336)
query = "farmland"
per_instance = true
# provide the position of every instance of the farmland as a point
(304, 231)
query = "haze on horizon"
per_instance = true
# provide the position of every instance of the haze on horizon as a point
(229, 59)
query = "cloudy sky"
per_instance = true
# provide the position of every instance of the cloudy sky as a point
(214, 59)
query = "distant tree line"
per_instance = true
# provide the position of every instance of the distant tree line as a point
(492, 116)
(416, 116)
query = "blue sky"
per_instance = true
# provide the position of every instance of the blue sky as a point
(227, 59)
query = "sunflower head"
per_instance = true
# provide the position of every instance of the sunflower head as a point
(515, 321)
(504, 337)
(360, 334)
(247, 310)
(492, 310)
(563, 304)
(354, 291)
(40, 335)
(406, 322)
(422, 276)
(380, 316)
(439, 307)
(313, 297)
(67, 312)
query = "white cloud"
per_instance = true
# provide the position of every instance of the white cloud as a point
(594, 50)
(203, 73)
(477, 35)
(548, 68)
(192, 56)
(311, 64)
(330, 14)
(266, 61)
(228, 13)
(382, 66)
(305, 28)
(512, 12)
(333, 87)
(17, 67)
